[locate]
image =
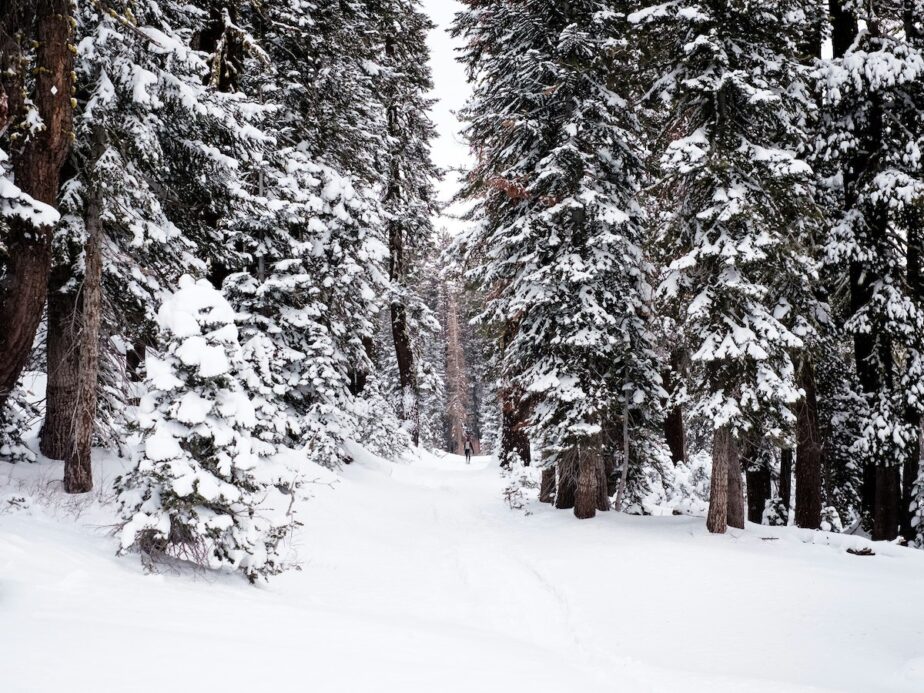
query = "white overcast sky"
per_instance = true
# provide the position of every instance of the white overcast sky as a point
(451, 89)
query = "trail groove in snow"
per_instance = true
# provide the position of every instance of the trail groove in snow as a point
(417, 578)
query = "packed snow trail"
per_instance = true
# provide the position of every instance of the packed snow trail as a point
(416, 577)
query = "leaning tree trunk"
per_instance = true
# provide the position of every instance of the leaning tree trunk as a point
(808, 453)
(722, 452)
(78, 472)
(37, 167)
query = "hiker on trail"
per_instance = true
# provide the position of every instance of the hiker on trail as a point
(468, 449)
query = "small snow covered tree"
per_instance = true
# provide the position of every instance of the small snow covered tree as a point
(737, 241)
(201, 490)
(558, 247)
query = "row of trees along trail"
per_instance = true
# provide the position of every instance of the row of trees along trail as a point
(216, 241)
(699, 225)
(696, 233)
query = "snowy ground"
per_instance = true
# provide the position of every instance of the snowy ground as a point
(416, 577)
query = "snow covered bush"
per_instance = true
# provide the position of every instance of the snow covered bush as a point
(202, 491)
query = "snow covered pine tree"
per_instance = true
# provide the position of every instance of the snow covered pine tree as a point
(871, 144)
(558, 245)
(203, 490)
(736, 240)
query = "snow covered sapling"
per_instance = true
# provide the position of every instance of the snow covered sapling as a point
(201, 491)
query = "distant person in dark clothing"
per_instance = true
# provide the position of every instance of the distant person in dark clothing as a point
(468, 449)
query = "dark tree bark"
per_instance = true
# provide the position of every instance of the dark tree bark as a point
(409, 410)
(37, 166)
(757, 476)
(567, 483)
(887, 509)
(674, 432)
(547, 486)
(63, 366)
(786, 477)
(723, 450)
(735, 515)
(514, 419)
(808, 453)
(910, 471)
(589, 465)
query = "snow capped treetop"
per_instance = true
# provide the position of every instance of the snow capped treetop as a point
(197, 308)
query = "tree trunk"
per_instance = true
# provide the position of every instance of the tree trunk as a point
(887, 515)
(547, 487)
(603, 496)
(910, 471)
(757, 475)
(735, 516)
(37, 166)
(786, 478)
(722, 452)
(407, 374)
(589, 467)
(674, 433)
(567, 483)
(808, 453)
(514, 439)
(62, 366)
(78, 471)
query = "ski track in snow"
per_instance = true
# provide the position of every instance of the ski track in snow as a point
(417, 577)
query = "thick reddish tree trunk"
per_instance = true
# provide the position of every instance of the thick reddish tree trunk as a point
(808, 453)
(37, 166)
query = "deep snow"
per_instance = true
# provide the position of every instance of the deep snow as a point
(417, 577)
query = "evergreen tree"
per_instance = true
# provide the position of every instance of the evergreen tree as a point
(737, 243)
(203, 489)
(870, 147)
(316, 274)
(409, 197)
(559, 244)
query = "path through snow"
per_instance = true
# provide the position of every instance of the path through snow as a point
(417, 578)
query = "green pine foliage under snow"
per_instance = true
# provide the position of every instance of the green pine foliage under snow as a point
(693, 240)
